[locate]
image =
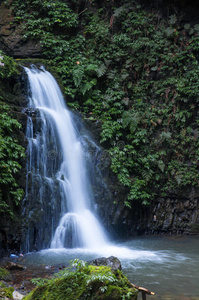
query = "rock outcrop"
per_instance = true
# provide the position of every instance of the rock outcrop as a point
(112, 262)
(11, 36)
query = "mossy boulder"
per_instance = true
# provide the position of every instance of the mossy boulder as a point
(112, 262)
(2, 285)
(6, 292)
(4, 274)
(86, 282)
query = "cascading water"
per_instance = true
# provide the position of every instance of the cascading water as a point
(59, 204)
(57, 169)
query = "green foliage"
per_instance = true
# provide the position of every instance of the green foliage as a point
(10, 153)
(8, 67)
(137, 74)
(2, 285)
(10, 150)
(85, 282)
(6, 292)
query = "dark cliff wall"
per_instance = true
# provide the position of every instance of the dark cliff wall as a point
(11, 36)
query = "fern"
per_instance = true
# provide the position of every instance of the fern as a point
(101, 70)
(78, 74)
(178, 178)
(165, 135)
(147, 174)
(120, 10)
(131, 119)
(109, 277)
(161, 165)
(87, 86)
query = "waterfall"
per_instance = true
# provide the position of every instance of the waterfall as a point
(57, 171)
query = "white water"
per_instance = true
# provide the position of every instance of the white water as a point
(166, 265)
(170, 271)
(77, 222)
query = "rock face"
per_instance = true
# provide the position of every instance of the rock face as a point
(11, 37)
(109, 193)
(175, 215)
(172, 214)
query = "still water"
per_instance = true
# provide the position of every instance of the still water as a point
(166, 265)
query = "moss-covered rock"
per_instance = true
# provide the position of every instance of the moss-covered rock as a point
(6, 292)
(4, 274)
(86, 282)
(2, 284)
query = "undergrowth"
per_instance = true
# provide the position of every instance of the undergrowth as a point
(135, 72)
(85, 282)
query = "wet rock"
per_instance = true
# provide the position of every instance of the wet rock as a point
(174, 215)
(11, 37)
(186, 204)
(17, 296)
(14, 266)
(111, 261)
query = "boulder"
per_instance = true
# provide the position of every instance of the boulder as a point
(13, 266)
(86, 282)
(5, 275)
(17, 296)
(111, 261)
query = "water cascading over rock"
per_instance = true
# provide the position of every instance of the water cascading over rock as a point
(59, 205)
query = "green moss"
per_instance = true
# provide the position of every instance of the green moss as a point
(7, 292)
(87, 282)
(2, 285)
(4, 274)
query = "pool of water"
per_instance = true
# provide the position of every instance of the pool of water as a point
(166, 265)
(175, 274)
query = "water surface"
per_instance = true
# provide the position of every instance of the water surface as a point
(166, 265)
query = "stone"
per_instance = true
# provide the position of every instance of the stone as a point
(5, 31)
(187, 204)
(111, 261)
(13, 266)
(114, 263)
(5, 275)
(17, 296)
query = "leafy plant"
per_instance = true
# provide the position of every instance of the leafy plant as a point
(85, 282)
(10, 153)
(138, 75)
(10, 150)
(8, 66)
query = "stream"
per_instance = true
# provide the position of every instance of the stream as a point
(166, 265)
